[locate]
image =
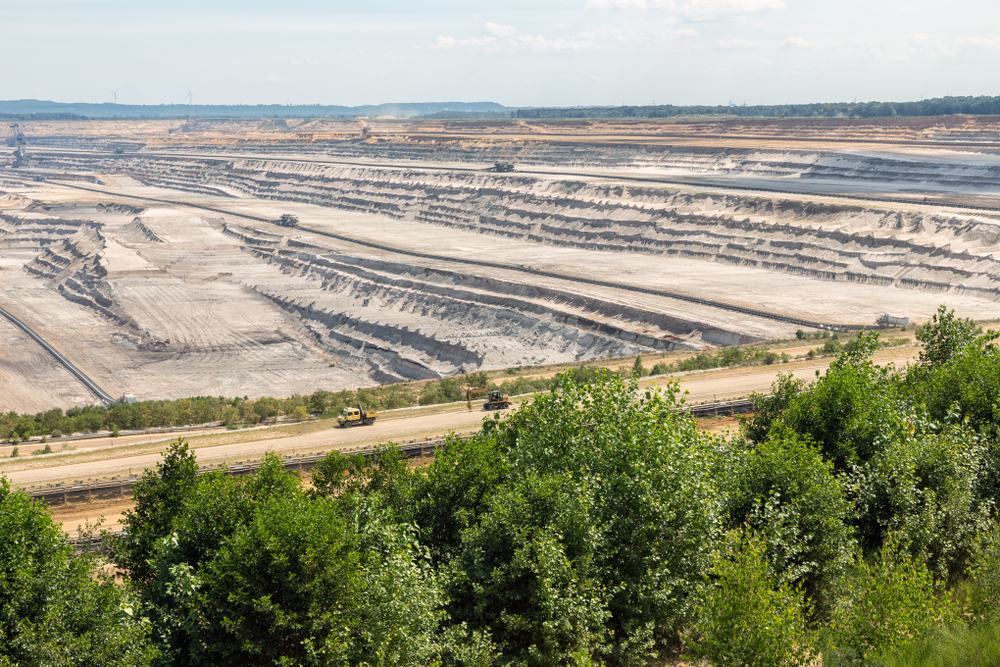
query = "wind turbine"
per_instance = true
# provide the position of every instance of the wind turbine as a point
(190, 95)
(115, 93)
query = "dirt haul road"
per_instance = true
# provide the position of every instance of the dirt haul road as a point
(334, 438)
(701, 387)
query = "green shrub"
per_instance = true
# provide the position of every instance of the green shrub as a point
(746, 617)
(890, 602)
(831, 347)
(527, 572)
(591, 506)
(787, 493)
(768, 408)
(851, 412)
(984, 574)
(661, 368)
(923, 488)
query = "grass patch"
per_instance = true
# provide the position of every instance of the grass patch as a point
(976, 646)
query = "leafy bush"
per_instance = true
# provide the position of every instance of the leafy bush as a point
(768, 408)
(158, 500)
(661, 368)
(527, 571)
(852, 411)
(787, 493)
(946, 338)
(890, 602)
(923, 489)
(747, 616)
(984, 574)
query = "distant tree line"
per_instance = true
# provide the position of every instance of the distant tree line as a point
(41, 116)
(941, 106)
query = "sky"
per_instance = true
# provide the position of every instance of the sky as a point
(516, 52)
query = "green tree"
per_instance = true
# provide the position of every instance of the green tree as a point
(526, 571)
(984, 574)
(259, 572)
(320, 401)
(767, 409)
(853, 410)
(159, 499)
(266, 408)
(946, 337)
(638, 370)
(57, 608)
(653, 500)
(452, 493)
(385, 474)
(661, 368)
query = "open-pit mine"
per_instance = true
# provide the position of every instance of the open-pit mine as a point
(172, 258)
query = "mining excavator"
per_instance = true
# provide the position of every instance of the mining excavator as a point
(356, 417)
(495, 400)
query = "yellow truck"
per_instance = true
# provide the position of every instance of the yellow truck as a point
(356, 417)
(496, 400)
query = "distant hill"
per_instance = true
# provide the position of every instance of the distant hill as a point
(25, 108)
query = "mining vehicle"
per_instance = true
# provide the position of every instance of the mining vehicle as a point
(503, 166)
(495, 399)
(356, 417)
(288, 220)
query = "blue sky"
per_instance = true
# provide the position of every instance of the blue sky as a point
(520, 53)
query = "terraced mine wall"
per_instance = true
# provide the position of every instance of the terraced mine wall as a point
(829, 242)
(174, 285)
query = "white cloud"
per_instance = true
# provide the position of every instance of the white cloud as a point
(736, 44)
(921, 44)
(714, 10)
(536, 44)
(684, 32)
(500, 30)
(630, 4)
(542, 45)
(797, 43)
